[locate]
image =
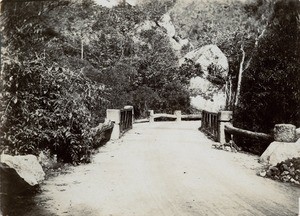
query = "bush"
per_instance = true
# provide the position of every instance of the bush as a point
(49, 108)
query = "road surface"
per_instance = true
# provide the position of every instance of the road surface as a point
(165, 169)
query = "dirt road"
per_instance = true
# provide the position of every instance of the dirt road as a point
(166, 169)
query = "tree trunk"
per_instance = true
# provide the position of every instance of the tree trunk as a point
(228, 93)
(241, 70)
(81, 48)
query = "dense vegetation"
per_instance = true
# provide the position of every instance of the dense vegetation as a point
(270, 91)
(64, 63)
(261, 40)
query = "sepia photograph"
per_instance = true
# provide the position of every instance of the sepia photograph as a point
(149, 108)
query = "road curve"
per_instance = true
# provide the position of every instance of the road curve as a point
(165, 169)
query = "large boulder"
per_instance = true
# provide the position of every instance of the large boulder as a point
(298, 133)
(280, 151)
(176, 42)
(11, 183)
(27, 167)
(163, 26)
(207, 56)
(208, 90)
(216, 103)
(166, 22)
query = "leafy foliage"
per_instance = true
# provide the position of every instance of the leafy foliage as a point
(156, 9)
(47, 105)
(54, 112)
(271, 86)
(67, 62)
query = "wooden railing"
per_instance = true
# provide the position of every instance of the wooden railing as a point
(210, 124)
(126, 118)
(214, 124)
(191, 117)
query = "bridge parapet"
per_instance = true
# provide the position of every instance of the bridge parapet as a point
(178, 116)
(214, 124)
(123, 120)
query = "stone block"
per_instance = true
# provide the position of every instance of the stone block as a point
(177, 113)
(222, 135)
(225, 116)
(285, 133)
(113, 115)
(115, 134)
(151, 116)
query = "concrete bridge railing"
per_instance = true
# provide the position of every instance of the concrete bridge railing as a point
(214, 124)
(178, 116)
(122, 119)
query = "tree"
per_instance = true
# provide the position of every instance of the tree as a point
(270, 91)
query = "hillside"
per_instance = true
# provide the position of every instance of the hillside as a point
(69, 61)
(231, 25)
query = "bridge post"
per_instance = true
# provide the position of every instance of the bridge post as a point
(132, 111)
(224, 118)
(151, 116)
(177, 113)
(115, 116)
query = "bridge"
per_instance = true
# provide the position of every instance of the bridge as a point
(165, 168)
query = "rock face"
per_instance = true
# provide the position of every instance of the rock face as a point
(165, 27)
(280, 151)
(176, 42)
(27, 167)
(207, 95)
(215, 104)
(113, 3)
(206, 56)
(285, 133)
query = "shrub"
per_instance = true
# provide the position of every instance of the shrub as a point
(49, 108)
